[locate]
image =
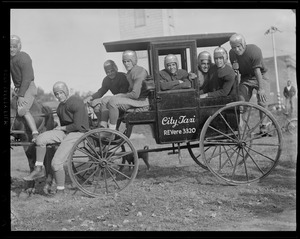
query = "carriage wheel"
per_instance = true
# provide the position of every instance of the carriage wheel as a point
(194, 151)
(96, 164)
(292, 126)
(232, 147)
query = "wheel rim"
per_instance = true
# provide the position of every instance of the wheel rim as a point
(195, 153)
(96, 164)
(235, 152)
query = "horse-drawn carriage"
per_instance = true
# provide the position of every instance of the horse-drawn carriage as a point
(220, 134)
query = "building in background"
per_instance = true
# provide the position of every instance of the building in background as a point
(143, 23)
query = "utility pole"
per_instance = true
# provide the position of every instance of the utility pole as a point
(271, 31)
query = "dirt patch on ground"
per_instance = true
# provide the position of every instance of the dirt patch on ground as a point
(168, 197)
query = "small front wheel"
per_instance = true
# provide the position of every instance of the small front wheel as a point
(96, 162)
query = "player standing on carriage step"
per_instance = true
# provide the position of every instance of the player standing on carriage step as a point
(115, 81)
(73, 117)
(253, 72)
(22, 75)
(222, 77)
(171, 77)
(136, 97)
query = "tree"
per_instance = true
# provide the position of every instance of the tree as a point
(44, 97)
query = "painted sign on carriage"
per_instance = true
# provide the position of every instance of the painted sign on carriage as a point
(178, 125)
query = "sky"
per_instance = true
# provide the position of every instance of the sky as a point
(67, 44)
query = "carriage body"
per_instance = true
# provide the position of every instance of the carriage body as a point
(175, 116)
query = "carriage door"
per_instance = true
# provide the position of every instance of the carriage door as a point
(177, 114)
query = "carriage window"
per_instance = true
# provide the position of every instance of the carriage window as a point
(183, 55)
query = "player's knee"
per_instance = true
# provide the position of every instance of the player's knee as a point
(113, 103)
(56, 166)
(22, 111)
(40, 140)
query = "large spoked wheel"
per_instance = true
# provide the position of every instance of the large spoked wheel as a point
(194, 151)
(292, 126)
(96, 165)
(236, 148)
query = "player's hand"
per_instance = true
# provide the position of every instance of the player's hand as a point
(87, 100)
(203, 96)
(180, 81)
(192, 76)
(61, 128)
(21, 101)
(262, 95)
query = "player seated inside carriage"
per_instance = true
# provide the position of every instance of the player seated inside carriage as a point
(221, 77)
(172, 78)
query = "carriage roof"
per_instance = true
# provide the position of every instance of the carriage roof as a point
(202, 40)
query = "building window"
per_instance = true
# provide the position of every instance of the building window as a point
(171, 17)
(139, 17)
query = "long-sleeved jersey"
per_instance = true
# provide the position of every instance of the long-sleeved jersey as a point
(73, 114)
(21, 71)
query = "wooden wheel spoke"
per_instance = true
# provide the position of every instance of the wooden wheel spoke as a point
(221, 133)
(260, 153)
(118, 164)
(253, 160)
(235, 164)
(80, 163)
(92, 174)
(264, 144)
(85, 170)
(119, 172)
(227, 124)
(244, 162)
(221, 152)
(249, 113)
(237, 117)
(228, 158)
(86, 151)
(112, 176)
(114, 149)
(234, 151)
(91, 146)
(257, 124)
(208, 159)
